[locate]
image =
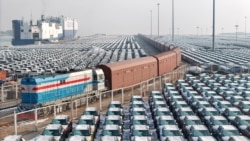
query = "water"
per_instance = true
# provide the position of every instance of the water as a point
(5, 40)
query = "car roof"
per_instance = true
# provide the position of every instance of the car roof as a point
(238, 138)
(82, 127)
(87, 117)
(139, 117)
(206, 138)
(138, 102)
(77, 138)
(114, 109)
(138, 109)
(115, 102)
(113, 117)
(136, 96)
(218, 117)
(166, 118)
(91, 109)
(233, 109)
(175, 138)
(111, 127)
(228, 127)
(197, 127)
(192, 117)
(171, 127)
(210, 109)
(53, 126)
(244, 117)
(109, 138)
(140, 127)
(162, 109)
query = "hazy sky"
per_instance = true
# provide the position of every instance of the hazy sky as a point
(132, 16)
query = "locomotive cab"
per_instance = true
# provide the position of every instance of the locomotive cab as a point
(98, 80)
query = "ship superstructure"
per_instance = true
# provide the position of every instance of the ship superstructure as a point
(47, 29)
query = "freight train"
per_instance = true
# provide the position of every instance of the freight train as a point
(42, 91)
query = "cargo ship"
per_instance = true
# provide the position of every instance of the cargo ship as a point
(45, 30)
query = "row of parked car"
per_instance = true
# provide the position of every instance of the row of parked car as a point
(222, 118)
(76, 55)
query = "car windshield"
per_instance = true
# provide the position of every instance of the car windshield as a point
(172, 133)
(138, 113)
(208, 113)
(234, 113)
(81, 132)
(245, 106)
(89, 122)
(214, 113)
(224, 105)
(245, 122)
(141, 133)
(136, 99)
(115, 105)
(140, 122)
(193, 122)
(51, 132)
(163, 113)
(220, 122)
(231, 133)
(111, 133)
(167, 122)
(113, 122)
(159, 105)
(186, 113)
(197, 133)
(59, 121)
(114, 113)
(138, 105)
(94, 113)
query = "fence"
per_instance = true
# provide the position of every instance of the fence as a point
(34, 120)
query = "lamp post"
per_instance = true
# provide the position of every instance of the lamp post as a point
(151, 22)
(213, 42)
(245, 26)
(172, 20)
(236, 28)
(158, 4)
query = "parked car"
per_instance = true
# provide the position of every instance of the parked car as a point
(65, 121)
(224, 132)
(169, 131)
(246, 131)
(81, 132)
(140, 132)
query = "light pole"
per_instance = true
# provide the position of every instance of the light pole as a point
(158, 4)
(245, 26)
(236, 28)
(213, 25)
(151, 22)
(172, 20)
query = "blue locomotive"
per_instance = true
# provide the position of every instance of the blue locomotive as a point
(46, 90)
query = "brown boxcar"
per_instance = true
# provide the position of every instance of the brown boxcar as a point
(129, 72)
(2, 75)
(166, 62)
(177, 50)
